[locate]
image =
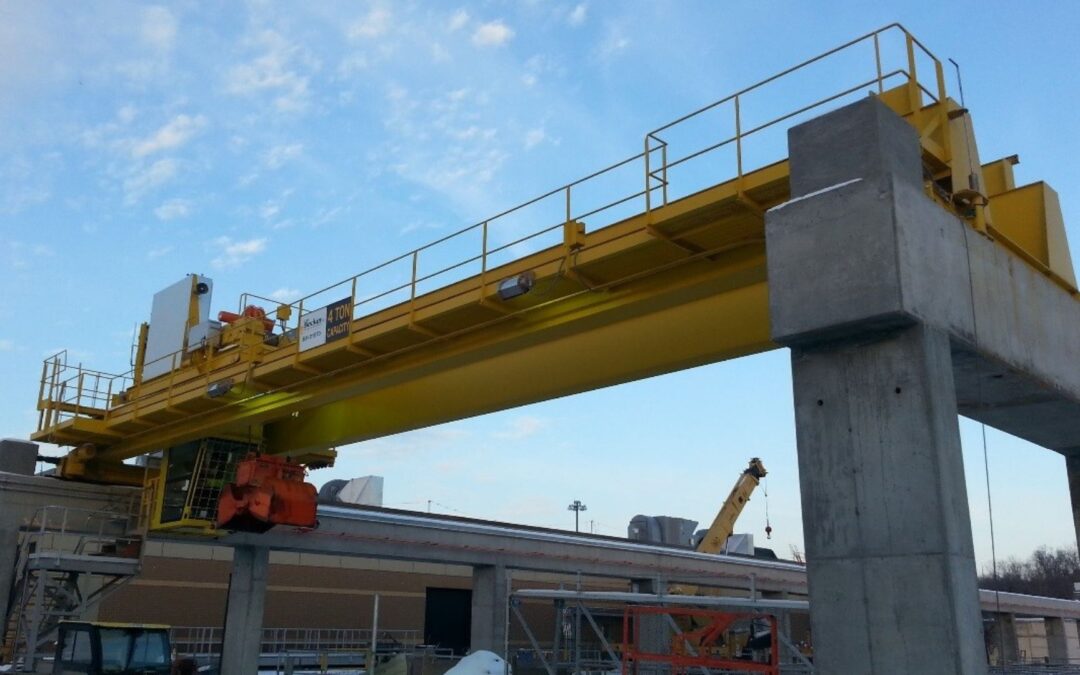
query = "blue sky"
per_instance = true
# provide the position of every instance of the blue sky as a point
(279, 147)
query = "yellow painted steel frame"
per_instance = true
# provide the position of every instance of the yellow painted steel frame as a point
(679, 284)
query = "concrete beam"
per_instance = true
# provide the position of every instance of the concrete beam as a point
(379, 533)
(886, 256)
(490, 597)
(242, 641)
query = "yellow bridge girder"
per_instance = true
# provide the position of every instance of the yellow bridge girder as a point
(681, 284)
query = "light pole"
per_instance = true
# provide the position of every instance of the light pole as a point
(577, 507)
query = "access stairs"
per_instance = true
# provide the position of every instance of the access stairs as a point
(68, 561)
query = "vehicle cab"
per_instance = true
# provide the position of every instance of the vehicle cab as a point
(100, 648)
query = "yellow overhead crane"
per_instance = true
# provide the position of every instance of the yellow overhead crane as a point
(653, 278)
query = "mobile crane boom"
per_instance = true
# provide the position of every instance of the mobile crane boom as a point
(724, 523)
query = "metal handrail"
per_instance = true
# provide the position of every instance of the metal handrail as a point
(656, 164)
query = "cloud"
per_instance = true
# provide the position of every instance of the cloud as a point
(142, 181)
(178, 131)
(173, 209)
(458, 20)
(269, 209)
(614, 42)
(285, 295)
(277, 71)
(235, 253)
(155, 253)
(372, 25)
(577, 15)
(7, 346)
(279, 155)
(533, 138)
(492, 34)
(521, 428)
(158, 28)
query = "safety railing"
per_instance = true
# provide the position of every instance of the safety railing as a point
(66, 391)
(679, 158)
(207, 640)
(892, 59)
(61, 530)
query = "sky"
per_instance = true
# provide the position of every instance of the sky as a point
(281, 147)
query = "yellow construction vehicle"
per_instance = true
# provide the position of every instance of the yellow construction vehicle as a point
(724, 523)
(118, 648)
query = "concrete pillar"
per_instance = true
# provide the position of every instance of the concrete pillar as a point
(15, 457)
(1062, 641)
(1002, 643)
(852, 280)
(490, 598)
(244, 616)
(1072, 467)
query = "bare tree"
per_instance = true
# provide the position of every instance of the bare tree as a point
(1048, 572)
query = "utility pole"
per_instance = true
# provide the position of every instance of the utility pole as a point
(577, 507)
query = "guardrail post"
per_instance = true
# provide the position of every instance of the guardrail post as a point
(738, 137)
(877, 60)
(914, 94)
(648, 178)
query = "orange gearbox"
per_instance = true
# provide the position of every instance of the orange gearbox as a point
(268, 491)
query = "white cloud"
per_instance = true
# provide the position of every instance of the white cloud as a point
(235, 253)
(372, 25)
(269, 209)
(614, 42)
(178, 131)
(276, 71)
(492, 34)
(458, 20)
(285, 295)
(521, 428)
(142, 181)
(155, 253)
(528, 79)
(126, 114)
(158, 28)
(533, 138)
(279, 155)
(173, 209)
(7, 345)
(577, 15)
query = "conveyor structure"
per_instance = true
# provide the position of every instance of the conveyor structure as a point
(664, 272)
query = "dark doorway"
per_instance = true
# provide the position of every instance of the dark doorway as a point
(448, 618)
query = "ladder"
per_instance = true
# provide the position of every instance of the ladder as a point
(69, 560)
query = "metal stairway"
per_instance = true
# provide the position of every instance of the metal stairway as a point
(69, 560)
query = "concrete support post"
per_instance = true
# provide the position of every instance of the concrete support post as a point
(1062, 641)
(490, 598)
(244, 617)
(17, 457)
(1003, 645)
(888, 539)
(885, 513)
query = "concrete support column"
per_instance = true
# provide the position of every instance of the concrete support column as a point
(888, 539)
(1003, 645)
(1062, 641)
(490, 598)
(18, 457)
(244, 617)
(865, 287)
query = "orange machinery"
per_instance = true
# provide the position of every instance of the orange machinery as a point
(269, 490)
